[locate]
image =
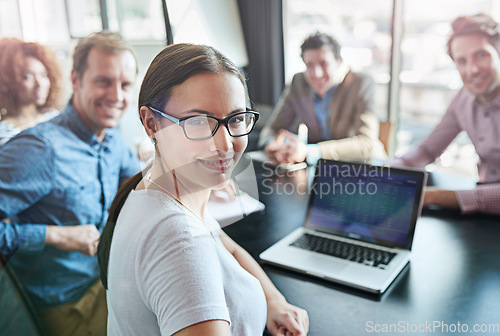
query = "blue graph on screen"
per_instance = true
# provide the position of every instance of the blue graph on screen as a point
(376, 206)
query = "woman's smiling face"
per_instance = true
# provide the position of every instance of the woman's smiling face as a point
(203, 163)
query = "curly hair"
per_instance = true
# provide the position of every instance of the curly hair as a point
(480, 24)
(13, 53)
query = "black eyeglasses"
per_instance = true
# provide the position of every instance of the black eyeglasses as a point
(202, 127)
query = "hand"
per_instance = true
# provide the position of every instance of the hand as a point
(286, 148)
(273, 148)
(286, 319)
(441, 197)
(81, 238)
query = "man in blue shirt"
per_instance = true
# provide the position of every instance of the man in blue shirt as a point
(58, 180)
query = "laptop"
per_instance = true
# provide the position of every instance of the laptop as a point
(359, 226)
(277, 168)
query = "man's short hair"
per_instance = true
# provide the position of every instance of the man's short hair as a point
(319, 40)
(104, 40)
(480, 24)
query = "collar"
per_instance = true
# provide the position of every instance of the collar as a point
(494, 103)
(341, 72)
(77, 126)
(327, 96)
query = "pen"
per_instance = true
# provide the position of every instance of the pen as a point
(303, 133)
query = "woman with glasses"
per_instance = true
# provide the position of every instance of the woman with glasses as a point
(168, 267)
(30, 86)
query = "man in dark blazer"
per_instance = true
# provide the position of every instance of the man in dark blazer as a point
(334, 103)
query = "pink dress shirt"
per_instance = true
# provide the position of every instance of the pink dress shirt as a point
(482, 124)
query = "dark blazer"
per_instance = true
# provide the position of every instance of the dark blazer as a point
(352, 123)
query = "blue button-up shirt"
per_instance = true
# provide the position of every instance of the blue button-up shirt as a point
(321, 109)
(57, 173)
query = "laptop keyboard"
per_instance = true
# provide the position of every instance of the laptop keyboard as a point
(361, 254)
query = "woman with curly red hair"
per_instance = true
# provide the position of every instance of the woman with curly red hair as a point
(30, 86)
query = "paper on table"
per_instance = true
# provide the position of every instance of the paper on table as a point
(227, 213)
(260, 156)
(303, 133)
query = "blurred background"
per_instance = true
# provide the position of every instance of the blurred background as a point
(400, 43)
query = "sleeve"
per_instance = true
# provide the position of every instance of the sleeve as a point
(26, 165)
(28, 238)
(364, 143)
(484, 198)
(282, 117)
(313, 154)
(180, 275)
(434, 145)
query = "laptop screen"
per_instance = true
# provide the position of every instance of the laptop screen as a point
(364, 202)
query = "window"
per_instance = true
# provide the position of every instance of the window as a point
(428, 78)
(84, 17)
(362, 27)
(214, 22)
(42, 21)
(10, 19)
(137, 20)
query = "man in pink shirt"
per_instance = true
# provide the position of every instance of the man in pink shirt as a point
(474, 46)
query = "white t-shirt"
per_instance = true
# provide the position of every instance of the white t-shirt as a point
(166, 272)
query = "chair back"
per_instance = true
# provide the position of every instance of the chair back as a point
(384, 133)
(18, 315)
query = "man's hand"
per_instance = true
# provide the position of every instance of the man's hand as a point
(286, 148)
(81, 238)
(441, 197)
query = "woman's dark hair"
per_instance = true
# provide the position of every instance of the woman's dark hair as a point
(171, 67)
(480, 24)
